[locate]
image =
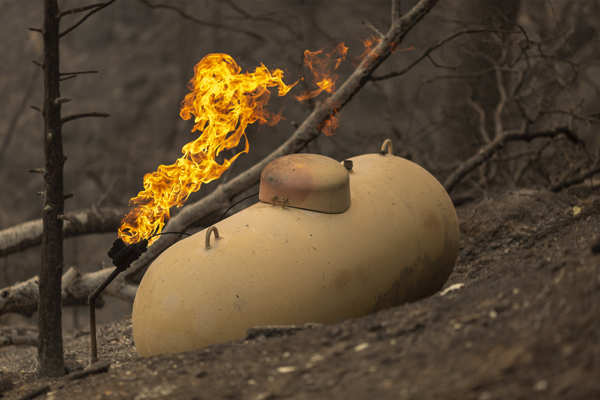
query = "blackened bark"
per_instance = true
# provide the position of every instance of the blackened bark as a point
(50, 350)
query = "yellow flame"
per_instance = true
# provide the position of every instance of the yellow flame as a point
(223, 102)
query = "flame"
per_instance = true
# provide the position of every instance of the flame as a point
(368, 44)
(223, 102)
(322, 65)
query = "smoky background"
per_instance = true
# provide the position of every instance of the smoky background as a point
(145, 57)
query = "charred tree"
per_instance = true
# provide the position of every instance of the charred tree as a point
(50, 349)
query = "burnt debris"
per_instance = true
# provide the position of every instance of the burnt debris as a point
(123, 255)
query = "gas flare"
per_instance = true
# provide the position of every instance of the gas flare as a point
(223, 101)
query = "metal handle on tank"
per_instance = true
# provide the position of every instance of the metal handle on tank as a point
(208, 232)
(386, 147)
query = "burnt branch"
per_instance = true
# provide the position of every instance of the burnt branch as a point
(84, 115)
(29, 234)
(23, 297)
(189, 17)
(487, 151)
(220, 198)
(92, 10)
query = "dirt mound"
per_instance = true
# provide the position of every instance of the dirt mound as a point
(518, 319)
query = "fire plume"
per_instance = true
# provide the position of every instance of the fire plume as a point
(322, 66)
(223, 101)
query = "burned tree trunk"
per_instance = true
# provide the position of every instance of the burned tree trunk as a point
(50, 350)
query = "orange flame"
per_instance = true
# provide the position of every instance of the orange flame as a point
(223, 102)
(368, 44)
(321, 66)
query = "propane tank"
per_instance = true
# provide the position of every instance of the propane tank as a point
(326, 242)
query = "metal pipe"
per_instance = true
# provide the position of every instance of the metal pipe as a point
(92, 303)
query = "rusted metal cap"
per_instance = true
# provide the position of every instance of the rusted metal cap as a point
(310, 181)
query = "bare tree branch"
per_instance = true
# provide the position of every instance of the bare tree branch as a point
(309, 129)
(84, 115)
(70, 75)
(14, 120)
(199, 21)
(96, 7)
(275, 21)
(428, 52)
(29, 234)
(81, 9)
(492, 147)
(23, 297)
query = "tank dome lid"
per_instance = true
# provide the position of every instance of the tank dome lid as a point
(310, 181)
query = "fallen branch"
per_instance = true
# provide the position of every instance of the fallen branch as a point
(487, 151)
(29, 234)
(18, 336)
(220, 198)
(23, 297)
(577, 179)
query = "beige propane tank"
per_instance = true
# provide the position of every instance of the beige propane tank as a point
(324, 244)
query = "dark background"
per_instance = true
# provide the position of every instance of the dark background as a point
(145, 58)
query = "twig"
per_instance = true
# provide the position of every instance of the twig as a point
(80, 9)
(97, 7)
(196, 20)
(373, 28)
(91, 71)
(282, 23)
(14, 120)
(84, 115)
(96, 368)
(482, 119)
